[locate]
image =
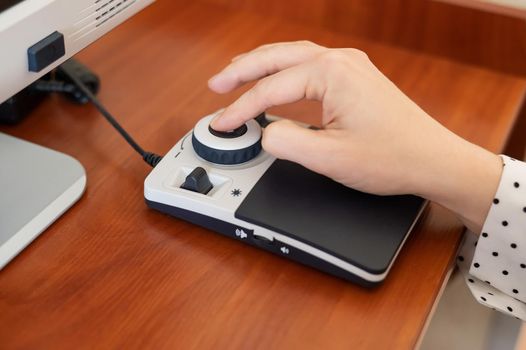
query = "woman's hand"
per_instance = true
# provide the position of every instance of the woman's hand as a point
(374, 138)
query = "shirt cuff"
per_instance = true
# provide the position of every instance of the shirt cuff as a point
(495, 265)
(482, 290)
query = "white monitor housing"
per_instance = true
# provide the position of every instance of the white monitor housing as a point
(28, 22)
(38, 184)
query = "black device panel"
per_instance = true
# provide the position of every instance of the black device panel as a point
(362, 229)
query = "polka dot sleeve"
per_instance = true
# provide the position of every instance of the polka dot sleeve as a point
(494, 263)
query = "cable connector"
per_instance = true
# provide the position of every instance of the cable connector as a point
(152, 158)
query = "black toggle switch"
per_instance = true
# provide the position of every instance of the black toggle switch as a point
(198, 181)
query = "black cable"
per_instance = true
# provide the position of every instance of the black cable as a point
(57, 86)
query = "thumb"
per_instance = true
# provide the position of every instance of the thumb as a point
(285, 139)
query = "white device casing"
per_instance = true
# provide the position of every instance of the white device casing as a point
(25, 210)
(41, 222)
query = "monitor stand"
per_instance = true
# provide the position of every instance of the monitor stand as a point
(37, 186)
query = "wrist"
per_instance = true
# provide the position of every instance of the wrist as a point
(464, 178)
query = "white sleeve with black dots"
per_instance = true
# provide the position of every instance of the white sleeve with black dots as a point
(494, 263)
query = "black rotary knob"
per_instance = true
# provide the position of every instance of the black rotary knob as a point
(227, 148)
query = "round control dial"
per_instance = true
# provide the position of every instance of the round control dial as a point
(228, 148)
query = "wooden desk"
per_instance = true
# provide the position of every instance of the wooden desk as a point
(113, 274)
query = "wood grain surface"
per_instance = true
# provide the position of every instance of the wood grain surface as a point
(453, 30)
(514, 8)
(112, 273)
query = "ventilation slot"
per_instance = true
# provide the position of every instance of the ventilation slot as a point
(107, 9)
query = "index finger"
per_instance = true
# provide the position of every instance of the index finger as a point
(261, 62)
(287, 86)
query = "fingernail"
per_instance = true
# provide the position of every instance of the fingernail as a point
(214, 124)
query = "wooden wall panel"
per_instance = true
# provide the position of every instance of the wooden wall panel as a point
(464, 34)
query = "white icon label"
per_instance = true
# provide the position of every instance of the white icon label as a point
(241, 234)
(284, 250)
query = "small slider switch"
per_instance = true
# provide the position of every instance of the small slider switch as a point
(198, 181)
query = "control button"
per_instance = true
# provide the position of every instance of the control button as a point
(242, 130)
(262, 120)
(46, 51)
(241, 233)
(198, 181)
(284, 250)
(227, 150)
